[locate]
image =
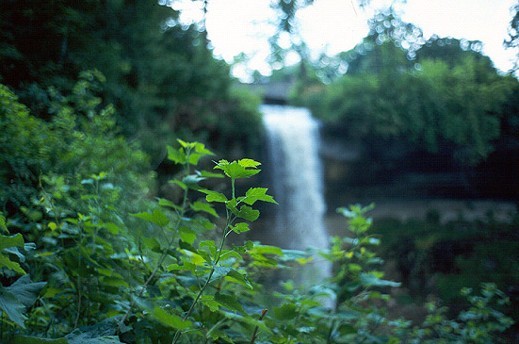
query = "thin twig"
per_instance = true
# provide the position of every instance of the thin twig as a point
(255, 333)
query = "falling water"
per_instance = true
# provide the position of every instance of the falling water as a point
(293, 140)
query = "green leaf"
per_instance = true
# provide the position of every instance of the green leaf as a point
(192, 180)
(170, 320)
(248, 213)
(12, 307)
(249, 163)
(205, 207)
(219, 272)
(286, 311)
(370, 280)
(157, 217)
(176, 155)
(18, 296)
(3, 226)
(11, 241)
(244, 168)
(180, 184)
(5, 262)
(257, 194)
(213, 196)
(241, 227)
(187, 235)
(229, 302)
(236, 277)
(167, 203)
(248, 320)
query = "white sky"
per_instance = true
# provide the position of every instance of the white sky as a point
(332, 26)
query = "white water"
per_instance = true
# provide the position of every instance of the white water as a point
(296, 173)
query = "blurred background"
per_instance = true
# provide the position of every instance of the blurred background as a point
(416, 105)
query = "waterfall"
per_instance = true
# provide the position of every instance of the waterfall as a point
(296, 176)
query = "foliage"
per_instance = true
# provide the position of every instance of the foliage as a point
(398, 87)
(170, 275)
(161, 76)
(440, 259)
(81, 139)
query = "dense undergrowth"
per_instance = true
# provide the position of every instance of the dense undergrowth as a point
(86, 257)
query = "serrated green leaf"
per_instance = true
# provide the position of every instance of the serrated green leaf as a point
(209, 302)
(241, 227)
(237, 277)
(5, 262)
(205, 207)
(236, 170)
(157, 217)
(257, 194)
(248, 213)
(246, 162)
(170, 320)
(176, 155)
(213, 196)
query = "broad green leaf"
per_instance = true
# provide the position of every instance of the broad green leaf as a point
(244, 168)
(209, 302)
(205, 207)
(207, 174)
(170, 320)
(236, 277)
(208, 246)
(167, 203)
(229, 302)
(3, 226)
(249, 163)
(176, 155)
(5, 262)
(286, 311)
(240, 228)
(11, 306)
(18, 296)
(248, 213)
(257, 194)
(219, 272)
(267, 249)
(112, 228)
(11, 241)
(187, 235)
(214, 196)
(248, 320)
(157, 217)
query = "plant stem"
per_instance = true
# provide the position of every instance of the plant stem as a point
(255, 333)
(178, 333)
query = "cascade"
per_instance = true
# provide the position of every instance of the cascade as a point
(296, 177)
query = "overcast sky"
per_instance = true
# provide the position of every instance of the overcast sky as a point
(332, 26)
